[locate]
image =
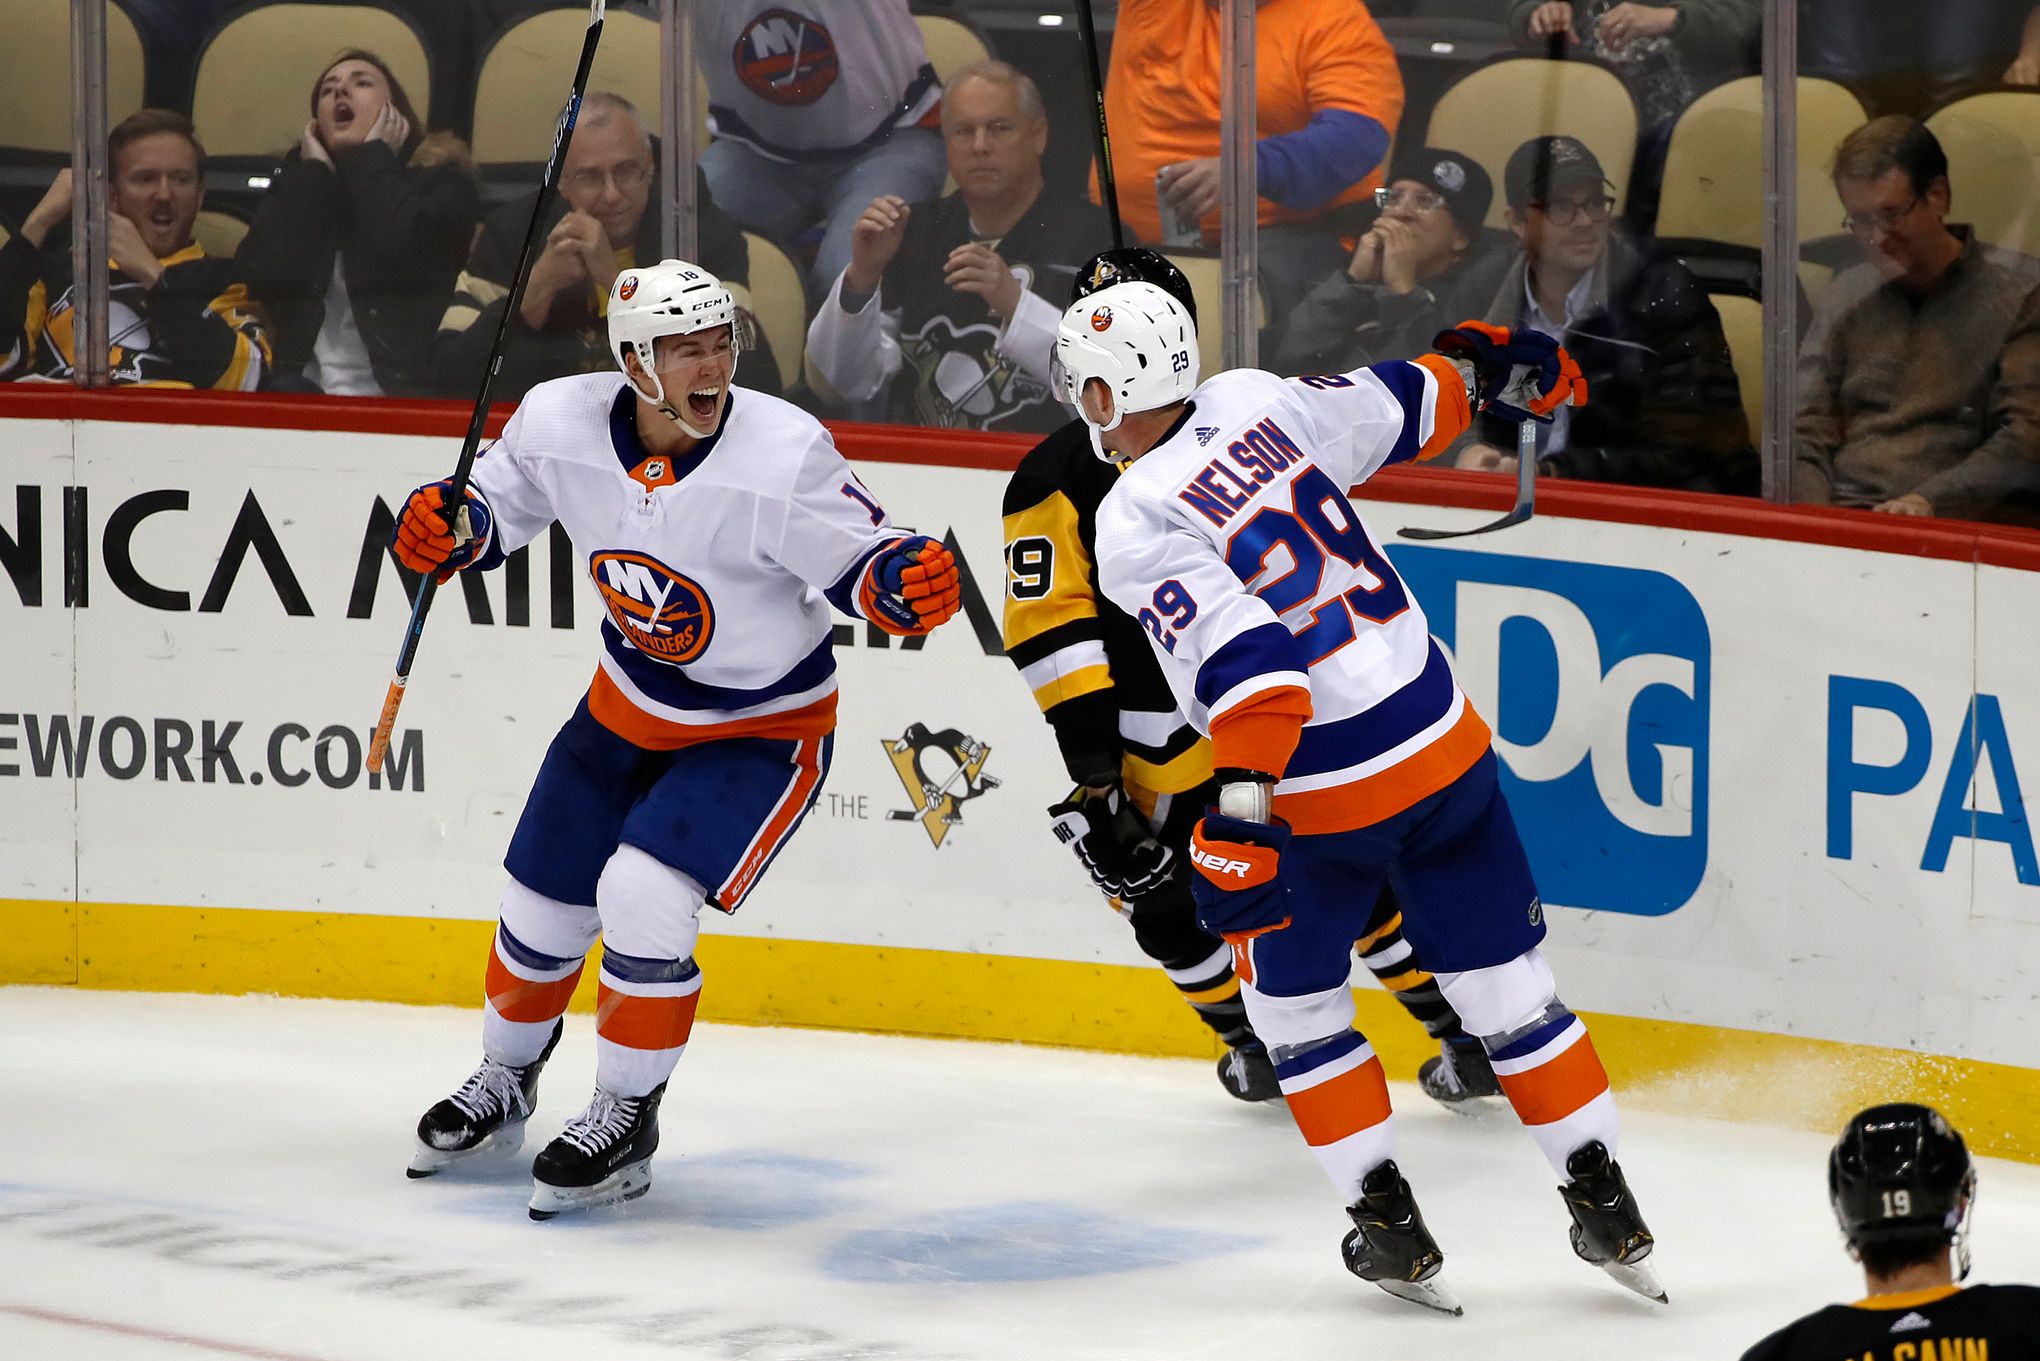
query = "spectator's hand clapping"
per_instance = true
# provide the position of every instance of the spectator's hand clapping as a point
(1552, 19)
(310, 148)
(874, 241)
(1912, 503)
(561, 265)
(1193, 186)
(52, 212)
(1629, 21)
(131, 255)
(977, 268)
(391, 128)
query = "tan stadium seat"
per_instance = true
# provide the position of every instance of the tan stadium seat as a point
(1207, 286)
(1993, 146)
(779, 301)
(1491, 111)
(1742, 321)
(35, 73)
(528, 71)
(1714, 167)
(254, 88)
(220, 233)
(951, 43)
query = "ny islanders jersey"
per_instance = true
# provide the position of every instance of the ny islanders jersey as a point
(717, 570)
(1282, 628)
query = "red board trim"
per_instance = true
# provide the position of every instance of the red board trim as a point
(1950, 540)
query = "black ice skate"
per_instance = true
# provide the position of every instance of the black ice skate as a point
(484, 1118)
(604, 1155)
(1390, 1246)
(1607, 1228)
(1460, 1075)
(1248, 1073)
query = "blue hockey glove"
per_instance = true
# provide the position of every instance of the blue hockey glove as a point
(911, 586)
(1238, 888)
(1522, 375)
(425, 539)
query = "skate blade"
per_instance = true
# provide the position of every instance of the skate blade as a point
(1640, 1276)
(427, 1161)
(626, 1183)
(1432, 1294)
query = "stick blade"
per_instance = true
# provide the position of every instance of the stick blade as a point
(1514, 517)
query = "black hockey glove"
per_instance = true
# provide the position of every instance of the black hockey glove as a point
(1114, 843)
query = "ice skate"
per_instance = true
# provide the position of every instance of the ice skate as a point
(1248, 1073)
(1459, 1075)
(603, 1156)
(1607, 1228)
(1390, 1246)
(484, 1119)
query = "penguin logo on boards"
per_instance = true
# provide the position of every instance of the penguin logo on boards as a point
(628, 288)
(1101, 320)
(919, 758)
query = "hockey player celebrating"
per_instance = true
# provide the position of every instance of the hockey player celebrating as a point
(719, 525)
(1143, 772)
(1902, 1187)
(1344, 752)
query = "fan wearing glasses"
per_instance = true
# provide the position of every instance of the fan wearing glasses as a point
(1427, 263)
(601, 225)
(1666, 409)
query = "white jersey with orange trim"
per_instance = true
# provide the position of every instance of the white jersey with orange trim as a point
(717, 569)
(1268, 602)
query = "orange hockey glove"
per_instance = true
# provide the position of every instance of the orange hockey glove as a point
(424, 539)
(911, 586)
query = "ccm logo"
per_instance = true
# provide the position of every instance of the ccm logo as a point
(1218, 864)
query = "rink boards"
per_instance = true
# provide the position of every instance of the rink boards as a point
(1774, 785)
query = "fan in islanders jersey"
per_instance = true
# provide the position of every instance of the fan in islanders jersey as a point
(1344, 753)
(720, 525)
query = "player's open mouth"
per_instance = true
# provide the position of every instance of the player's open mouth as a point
(701, 403)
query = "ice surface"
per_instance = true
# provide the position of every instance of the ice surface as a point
(193, 1176)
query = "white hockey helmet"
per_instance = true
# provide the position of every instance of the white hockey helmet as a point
(1136, 339)
(670, 298)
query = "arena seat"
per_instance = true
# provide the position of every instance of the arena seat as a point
(779, 301)
(220, 233)
(952, 44)
(253, 92)
(1491, 111)
(1713, 184)
(35, 75)
(527, 71)
(1207, 286)
(1993, 146)
(1742, 321)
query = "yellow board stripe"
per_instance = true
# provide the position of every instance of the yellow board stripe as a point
(1656, 1065)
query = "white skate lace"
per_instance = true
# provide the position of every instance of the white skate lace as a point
(493, 1088)
(606, 1120)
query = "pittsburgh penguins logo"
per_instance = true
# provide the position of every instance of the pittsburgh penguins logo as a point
(785, 58)
(660, 612)
(958, 380)
(940, 771)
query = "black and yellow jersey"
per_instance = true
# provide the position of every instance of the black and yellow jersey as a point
(1947, 1323)
(196, 328)
(1087, 661)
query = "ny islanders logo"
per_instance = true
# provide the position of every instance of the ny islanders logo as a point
(628, 288)
(662, 613)
(1101, 320)
(785, 58)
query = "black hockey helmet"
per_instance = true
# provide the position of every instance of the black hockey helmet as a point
(1901, 1173)
(1134, 264)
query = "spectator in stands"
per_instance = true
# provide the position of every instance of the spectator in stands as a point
(176, 317)
(1664, 408)
(1428, 262)
(1920, 376)
(598, 227)
(1911, 59)
(1328, 98)
(357, 242)
(948, 309)
(817, 110)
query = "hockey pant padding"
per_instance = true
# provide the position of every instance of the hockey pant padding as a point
(1393, 961)
(1197, 962)
(1541, 1052)
(650, 983)
(534, 963)
(1330, 1077)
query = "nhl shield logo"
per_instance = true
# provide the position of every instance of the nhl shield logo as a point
(659, 612)
(919, 758)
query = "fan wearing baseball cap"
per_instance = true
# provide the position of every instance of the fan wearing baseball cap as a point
(1667, 409)
(1426, 264)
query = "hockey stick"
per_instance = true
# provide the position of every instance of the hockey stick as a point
(428, 584)
(1526, 492)
(1108, 189)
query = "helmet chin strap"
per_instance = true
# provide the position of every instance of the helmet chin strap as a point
(1096, 430)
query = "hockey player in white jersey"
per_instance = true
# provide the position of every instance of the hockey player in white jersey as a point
(1345, 753)
(719, 525)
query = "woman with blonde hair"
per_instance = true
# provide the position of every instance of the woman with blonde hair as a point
(359, 239)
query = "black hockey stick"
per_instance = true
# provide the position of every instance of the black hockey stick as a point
(1108, 189)
(1526, 492)
(428, 584)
